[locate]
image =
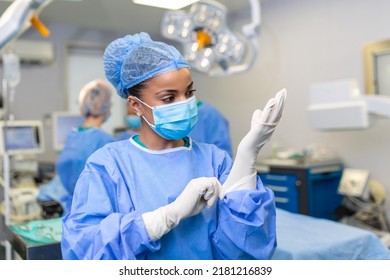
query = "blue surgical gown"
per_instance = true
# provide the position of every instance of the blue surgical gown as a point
(212, 127)
(79, 145)
(122, 180)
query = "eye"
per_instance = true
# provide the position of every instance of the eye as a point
(190, 93)
(168, 99)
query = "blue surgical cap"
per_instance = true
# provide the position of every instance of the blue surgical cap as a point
(133, 59)
(95, 98)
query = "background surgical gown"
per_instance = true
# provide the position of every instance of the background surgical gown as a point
(79, 145)
(212, 127)
(123, 180)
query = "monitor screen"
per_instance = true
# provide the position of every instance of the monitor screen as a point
(63, 123)
(21, 137)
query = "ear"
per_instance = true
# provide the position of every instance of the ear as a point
(135, 105)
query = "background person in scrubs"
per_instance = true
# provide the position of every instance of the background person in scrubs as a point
(95, 105)
(159, 195)
(212, 127)
(133, 124)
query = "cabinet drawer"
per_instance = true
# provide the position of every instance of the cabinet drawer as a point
(284, 188)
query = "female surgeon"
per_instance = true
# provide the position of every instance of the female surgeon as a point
(158, 195)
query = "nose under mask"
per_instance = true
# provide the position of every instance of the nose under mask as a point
(174, 121)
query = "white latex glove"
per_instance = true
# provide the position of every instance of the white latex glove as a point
(243, 172)
(198, 194)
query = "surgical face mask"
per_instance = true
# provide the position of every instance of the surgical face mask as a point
(174, 121)
(133, 121)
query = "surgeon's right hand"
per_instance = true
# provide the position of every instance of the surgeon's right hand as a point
(198, 194)
(243, 173)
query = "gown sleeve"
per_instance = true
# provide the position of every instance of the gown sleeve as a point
(95, 215)
(246, 226)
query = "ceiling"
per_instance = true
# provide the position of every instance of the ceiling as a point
(111, 15)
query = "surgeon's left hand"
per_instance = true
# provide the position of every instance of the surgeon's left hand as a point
(243, 172)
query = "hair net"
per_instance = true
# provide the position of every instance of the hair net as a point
(95, 98)
(133, 59)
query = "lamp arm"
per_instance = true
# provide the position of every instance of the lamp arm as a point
(19, 16)
(252, 29)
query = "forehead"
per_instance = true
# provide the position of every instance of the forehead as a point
(174, 80)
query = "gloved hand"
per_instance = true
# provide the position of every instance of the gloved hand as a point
(198, 194)
(243, 172)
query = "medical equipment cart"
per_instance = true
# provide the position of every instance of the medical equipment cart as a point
(308, 188)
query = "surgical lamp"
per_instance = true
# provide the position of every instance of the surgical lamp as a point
(208, 44)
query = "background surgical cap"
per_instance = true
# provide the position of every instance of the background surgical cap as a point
(133, 59)
(95, 98)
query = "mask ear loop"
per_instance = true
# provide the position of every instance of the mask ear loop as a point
(151, 125)
(143, 102)
(142, 116)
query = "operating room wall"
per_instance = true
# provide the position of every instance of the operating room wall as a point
(303, 42)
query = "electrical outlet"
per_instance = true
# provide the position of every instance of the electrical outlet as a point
(354, 182)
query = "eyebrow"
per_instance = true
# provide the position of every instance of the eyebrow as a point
(174, 90)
